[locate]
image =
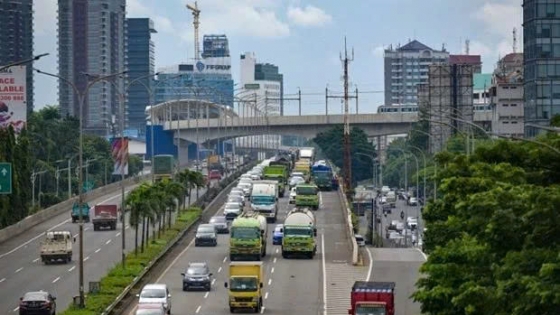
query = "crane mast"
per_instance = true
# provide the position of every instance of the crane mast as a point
(196, 22)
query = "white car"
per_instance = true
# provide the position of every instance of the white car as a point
(413, 201)
(255, 177)
(296, 180)
(297, 174)
(247, 188)
(293, 196)
(155, 294)
(360, 240)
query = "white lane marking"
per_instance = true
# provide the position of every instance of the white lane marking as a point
(118, 234)
(108, 241)
(86, 229)
(324, 274)
(98, 250)
(269, 281)
(423, 254)
(219, 269)
(174, 262)
(35, 260)
(225, 259)
(213, 281)
(370, 270)
(272, 270)
(52, 228)
(320, 200)
(76, 235)
(2, 280)
(266, 295)
(16, 309)
(56, 280)
(277, 250)
(206, 295)
(198, 309)
(274, 260)
(20, 269)
(127, 227)
(85, 259)
(262, 310)
(73, 267)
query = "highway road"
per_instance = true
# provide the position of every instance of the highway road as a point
(21, 269)
(291, 286)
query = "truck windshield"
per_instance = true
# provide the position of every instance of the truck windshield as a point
(297, 231)
(306, 191)
(263, 200)
(370, 310)
(323, 174)
(244, 284)
(245, 233)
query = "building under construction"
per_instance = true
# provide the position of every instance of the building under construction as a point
(447, 100)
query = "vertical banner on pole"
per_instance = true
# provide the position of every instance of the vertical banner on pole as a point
(13, 98)
(119, 150)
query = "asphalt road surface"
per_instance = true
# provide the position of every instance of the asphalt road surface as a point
(291, 286)
(22, 271)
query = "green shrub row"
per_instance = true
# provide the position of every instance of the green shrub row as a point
(118, 278)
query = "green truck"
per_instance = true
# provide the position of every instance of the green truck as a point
(307, 195)
(164, 167)
(278, 173)
(248, 237)
(300, 234)
(75, 214)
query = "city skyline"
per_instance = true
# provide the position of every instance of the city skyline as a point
(309, 33)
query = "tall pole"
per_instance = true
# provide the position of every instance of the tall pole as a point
(299, 97)
(123, 160)
(347, 156)
(69, 178)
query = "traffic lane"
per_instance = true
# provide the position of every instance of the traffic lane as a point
(102, 250)
(399, 265)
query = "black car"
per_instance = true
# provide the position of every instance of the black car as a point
(206, 234)
(37, 303)
(197, 276)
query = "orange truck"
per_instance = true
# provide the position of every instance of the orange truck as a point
(105, 216)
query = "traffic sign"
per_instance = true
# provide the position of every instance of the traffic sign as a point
(5, 178)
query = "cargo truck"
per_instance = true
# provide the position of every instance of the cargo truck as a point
(392, 199)
(303, 167)
(57, 246)
(164, 167)
(368, 297)
(214, 164)
(322, 176)
(245, 287)
(248, 237)
(307, 196)
(105, 216)
(278, 173)
(307, 154)
(76, 209)
(299, 234)
(282, 160)
(264, 199)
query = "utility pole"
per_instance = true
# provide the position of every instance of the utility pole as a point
(344, 97)
(347, 154)
(282, 99)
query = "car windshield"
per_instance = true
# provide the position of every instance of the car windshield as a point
(153, 293)
(306, 190)
(296, 179)
(218, 220)
(244, 185)
(243, 284)
(206, 229)
(278, 229)
(232, 205)
(245, 233)
(196, 271)
(35, 296)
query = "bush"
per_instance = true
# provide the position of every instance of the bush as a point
(118, 278)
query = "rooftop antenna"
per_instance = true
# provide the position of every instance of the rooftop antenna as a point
(467, 47)
(347, 155)
(514, 40)
(196, 23)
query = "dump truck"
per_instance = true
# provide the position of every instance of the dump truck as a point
(57, 246)
(248, 237)
(278, 173)
(245, 287)
(75, 214)
(322, 176)
(369, 297)
(105, 216)
(299, 234)
(282, 160)
(264, 198)
(164, 167)
(307, 196)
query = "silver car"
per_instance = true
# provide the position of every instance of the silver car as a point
(237, 198)
(232, 210)
(155, 294)
(221, 223)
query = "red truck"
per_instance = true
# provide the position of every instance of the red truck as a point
(370, 297)
(105, 216)
(215, 174)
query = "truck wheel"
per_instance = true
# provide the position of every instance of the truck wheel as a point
(231, 309)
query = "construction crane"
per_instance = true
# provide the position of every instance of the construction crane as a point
(196, 23)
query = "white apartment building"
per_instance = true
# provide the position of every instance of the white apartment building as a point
(507, 97)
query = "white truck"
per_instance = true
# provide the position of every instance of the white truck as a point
(307, 153)
(56, 246)
(264, 199)
(392, 199)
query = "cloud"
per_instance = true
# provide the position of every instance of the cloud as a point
(135, 8)
(308, 16)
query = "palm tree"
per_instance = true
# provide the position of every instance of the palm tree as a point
(174, 192)
(140, 208)
(183, 179)
(197, 180)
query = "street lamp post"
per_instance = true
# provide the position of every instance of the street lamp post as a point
(22, 62)
(81, 101)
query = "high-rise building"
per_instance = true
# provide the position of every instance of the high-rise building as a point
(541, 47)
(91, 43)
(215, 46)
(16, 38)
(474, 60)
(269, 72)
(507, 96)
(140, 61)
(405, 68)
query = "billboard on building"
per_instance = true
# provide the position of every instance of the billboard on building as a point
(119, 150)
(13, 99)
(219, 65)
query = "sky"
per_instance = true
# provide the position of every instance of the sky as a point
(306, 37)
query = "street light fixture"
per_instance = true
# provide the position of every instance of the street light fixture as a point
(81, 97)
(22, 62)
